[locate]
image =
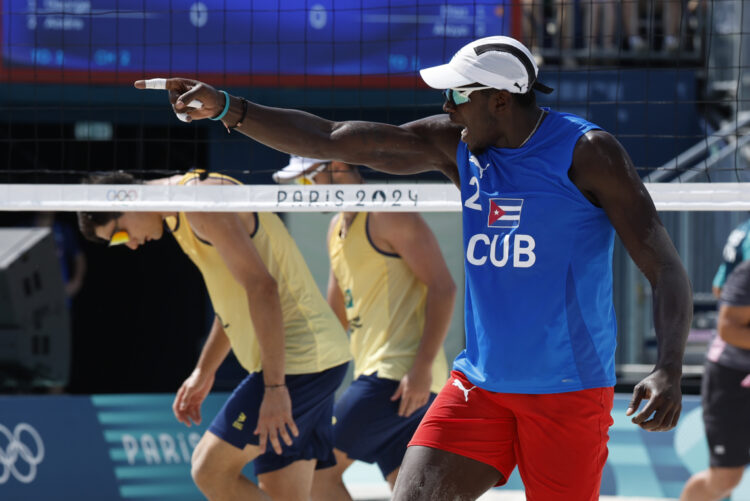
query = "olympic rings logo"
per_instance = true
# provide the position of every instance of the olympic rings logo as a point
(122, 195)
(17, 449)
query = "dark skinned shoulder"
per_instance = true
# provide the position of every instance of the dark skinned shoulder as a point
(602, 168)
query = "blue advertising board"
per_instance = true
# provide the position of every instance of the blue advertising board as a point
(53, 448)
(103, 447)
(292, 38)
(113, 447)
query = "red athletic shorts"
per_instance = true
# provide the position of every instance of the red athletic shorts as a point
(558, 440)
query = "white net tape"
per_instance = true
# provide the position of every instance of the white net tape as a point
(422, 197)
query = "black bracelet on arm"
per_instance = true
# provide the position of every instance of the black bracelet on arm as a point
(275, 385)
(242, 116)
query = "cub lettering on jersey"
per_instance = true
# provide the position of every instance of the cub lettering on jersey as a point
(504, 214)
(481, 249)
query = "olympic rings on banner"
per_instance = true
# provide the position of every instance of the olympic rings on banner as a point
(122, 195)
(18, 450)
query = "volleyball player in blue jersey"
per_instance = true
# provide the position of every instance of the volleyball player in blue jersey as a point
(543, 194)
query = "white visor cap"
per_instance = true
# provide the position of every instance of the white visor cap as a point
(499, 62)
(298, 167)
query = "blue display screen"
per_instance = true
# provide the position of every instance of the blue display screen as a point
(289, 38)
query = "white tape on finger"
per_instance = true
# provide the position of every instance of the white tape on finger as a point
(195, 103)
(156, 83)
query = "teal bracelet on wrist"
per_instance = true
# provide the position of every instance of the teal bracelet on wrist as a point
(226, 106)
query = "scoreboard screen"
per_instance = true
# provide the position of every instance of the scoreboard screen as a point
(281, 42)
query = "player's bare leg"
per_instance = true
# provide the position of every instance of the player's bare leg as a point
(217, 470)
(291, 483)
(712, 484)
(328, 483)
(429, 474)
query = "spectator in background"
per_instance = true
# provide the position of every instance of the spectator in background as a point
(606, 22)
(72, 262)
(560, 29)
(533, 27)
(726, 394)
(565, 12)
(736, 250)
(631, 24)
(602, 25)
(606, 26)
(671, 23)
(671, 20)
(72, 258)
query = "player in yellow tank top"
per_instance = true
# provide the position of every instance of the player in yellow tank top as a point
(271, 314)
(391, 288)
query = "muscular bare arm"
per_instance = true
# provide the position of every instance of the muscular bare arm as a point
(604, 173)
(424, 145)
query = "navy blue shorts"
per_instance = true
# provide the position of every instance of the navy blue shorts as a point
(726, 412)
(312, 398)
(368, 427)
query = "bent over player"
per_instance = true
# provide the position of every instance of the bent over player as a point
(391, 288)
(542, 196)
(271, 314)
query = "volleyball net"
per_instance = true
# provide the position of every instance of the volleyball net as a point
(381, 197)
(668, 79)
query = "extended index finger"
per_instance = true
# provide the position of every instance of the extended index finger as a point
(151, 83)
(172, 84)
(177, 89)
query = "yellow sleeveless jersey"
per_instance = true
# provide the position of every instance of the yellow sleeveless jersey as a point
(385, 305)
(314, 338)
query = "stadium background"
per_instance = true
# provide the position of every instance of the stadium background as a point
(67, 108)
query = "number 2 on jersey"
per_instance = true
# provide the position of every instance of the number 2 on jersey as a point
(471, 202)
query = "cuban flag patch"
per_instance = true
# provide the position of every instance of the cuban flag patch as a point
(505, 212)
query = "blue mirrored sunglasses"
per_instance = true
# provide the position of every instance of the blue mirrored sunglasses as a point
(460, 96)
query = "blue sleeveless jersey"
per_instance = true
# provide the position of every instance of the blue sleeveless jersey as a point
(538, 263)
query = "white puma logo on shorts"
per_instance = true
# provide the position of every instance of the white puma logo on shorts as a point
(458, 384)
